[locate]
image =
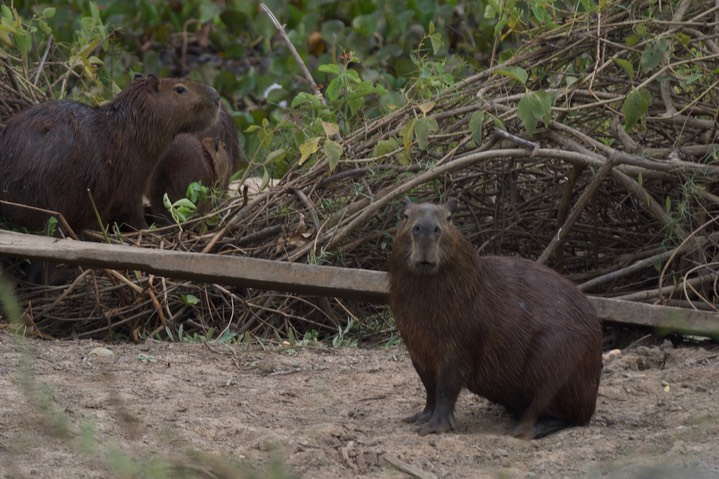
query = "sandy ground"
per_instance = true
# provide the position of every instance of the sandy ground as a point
(314, 412)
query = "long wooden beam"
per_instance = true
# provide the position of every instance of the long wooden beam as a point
(303, 278)
(207, 268)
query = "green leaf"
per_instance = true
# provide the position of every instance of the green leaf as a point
(653, 54)
(668, 204)
(626, 65)
(475, 126)
(635, 107)
(308, 148)
(526, 108)
(333, 89)
(547, 100)
(329, 68)
(185, 204)
(190, 299)
(333, 150)
(436, 41)
(48, 12)
(331, 128)
(384, 147)
(535, 106)
(404, 158)
(407, 132)
(517, 73)
(209, 11)
(425, 126)
(426, 107)
(306, 99)
(276, 156)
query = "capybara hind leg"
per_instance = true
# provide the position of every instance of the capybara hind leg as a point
(430, 386)
(528, 419)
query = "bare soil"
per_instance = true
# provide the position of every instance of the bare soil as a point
(330, 413)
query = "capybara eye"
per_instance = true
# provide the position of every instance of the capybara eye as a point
(180, 89)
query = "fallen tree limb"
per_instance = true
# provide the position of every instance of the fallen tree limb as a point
(303, 278)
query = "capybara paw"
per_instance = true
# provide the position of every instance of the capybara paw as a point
(436, 427)
(422, 416)
(523, 431)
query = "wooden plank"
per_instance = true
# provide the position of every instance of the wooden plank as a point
(206, 268)
(303, 278)
(666, 319)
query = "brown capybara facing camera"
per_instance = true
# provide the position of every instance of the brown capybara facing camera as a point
(508, 329)
(188, 159)
(58, 154)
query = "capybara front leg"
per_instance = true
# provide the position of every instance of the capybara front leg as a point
(448, 387)
(430, 386)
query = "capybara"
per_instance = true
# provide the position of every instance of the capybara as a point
(58, 154)
(186, 160)
(508, 329)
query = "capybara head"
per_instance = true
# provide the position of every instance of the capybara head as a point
(424, 235)
(170, 95)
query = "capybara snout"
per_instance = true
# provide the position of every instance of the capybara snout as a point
(427, 227)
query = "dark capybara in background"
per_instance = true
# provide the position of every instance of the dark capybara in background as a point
(188, 159)
(506, 328)
(54, 155)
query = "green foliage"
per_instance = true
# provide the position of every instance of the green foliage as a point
(533, 107)
(475, 126)
(635, 107)
(370, 56)
(653, 54)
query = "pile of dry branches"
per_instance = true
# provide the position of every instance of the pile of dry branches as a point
(628, 214)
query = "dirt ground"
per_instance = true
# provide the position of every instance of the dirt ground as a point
(330, 413)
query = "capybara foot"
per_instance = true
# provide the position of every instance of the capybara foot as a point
(523, 430)
(437, 426)
(543, 427)
(422, 416)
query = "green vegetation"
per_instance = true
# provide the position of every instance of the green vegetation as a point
(372, 56)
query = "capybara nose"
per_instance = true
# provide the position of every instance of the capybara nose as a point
(428, 228)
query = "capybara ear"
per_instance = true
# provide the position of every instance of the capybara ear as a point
(451, 205)
(153, 83)
(407, 203)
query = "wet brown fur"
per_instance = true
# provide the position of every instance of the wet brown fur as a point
(506, 328)
(53, 153)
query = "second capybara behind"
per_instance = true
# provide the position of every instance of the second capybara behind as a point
(188, 159)
(209, 156)
(58, 154)
(506, 328)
